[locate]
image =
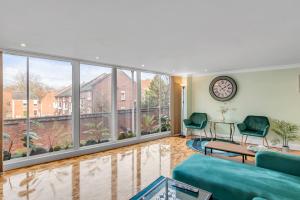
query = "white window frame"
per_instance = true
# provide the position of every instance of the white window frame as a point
(75, 107)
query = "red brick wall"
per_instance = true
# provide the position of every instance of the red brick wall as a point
(58, 129)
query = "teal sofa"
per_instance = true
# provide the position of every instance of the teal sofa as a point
(196, 121)
(276, 176)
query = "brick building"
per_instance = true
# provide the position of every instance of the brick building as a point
(95, 95)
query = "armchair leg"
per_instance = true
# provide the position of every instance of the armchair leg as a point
(246, 139)
(266, 142)
(242, 139)
(205, 132)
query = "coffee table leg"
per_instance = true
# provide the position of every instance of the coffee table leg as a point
(211, 151)
(204, 150)
(243, 158)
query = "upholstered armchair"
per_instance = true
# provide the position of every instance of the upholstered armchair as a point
(257, 126)
(196, 121)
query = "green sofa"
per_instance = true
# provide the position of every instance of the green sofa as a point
(276, 176)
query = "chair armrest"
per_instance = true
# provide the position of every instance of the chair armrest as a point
(241, 126)
(187, 122)
(286, 163)
(203, 124)
(266, 130)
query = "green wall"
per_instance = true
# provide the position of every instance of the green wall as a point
(273, 93)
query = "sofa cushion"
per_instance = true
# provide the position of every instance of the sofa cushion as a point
(229, 180)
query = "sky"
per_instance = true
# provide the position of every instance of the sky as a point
(56, 74)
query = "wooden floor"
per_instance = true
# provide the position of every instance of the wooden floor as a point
(110, 175)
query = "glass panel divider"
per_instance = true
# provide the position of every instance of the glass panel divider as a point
(159, 104)
(76, 103)
(114, 121)
(27, 107)
(138, 106)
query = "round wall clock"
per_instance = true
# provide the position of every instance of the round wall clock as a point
(222, 88)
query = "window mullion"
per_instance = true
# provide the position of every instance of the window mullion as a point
(76, 103)
(27, 107)
(114, 116)
(159, 104)
(138, 105)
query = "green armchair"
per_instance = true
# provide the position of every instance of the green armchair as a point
(257, 126)
(196, 121)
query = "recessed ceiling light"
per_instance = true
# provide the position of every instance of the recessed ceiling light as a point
(143, 65)
(23, 45)
(97, 57)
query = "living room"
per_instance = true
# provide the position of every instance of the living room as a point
(150, 100)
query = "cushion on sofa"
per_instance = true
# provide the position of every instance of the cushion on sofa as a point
(229, 180)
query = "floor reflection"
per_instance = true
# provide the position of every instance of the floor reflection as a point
(113, 175)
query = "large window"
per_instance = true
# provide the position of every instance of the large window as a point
(37, 106)
(165, 103)
(126, 103)
(155, 92)
(95, 104)
(14, 106)
(51, 105)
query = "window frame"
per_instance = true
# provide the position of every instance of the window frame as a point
(76, 150)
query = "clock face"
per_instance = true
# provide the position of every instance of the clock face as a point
(223, 88)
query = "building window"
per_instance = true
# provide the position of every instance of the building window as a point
(35, 102)
(123, 96)
(24, 103)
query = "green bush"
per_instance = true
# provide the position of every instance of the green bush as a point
(57, 148)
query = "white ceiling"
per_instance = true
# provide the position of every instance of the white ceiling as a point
(173, 36)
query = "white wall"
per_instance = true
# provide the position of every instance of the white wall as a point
(272, 93)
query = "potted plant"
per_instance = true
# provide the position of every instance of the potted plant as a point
(287, 131)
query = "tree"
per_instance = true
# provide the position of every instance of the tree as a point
(36, 87)
(97, 131)
(158, 90)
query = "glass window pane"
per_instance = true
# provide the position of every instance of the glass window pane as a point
(95, 104)
(126, 103)
(14, 106)
(150, 86)
(50, 105)
(165, 103)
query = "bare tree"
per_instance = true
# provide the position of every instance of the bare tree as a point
(36, 87)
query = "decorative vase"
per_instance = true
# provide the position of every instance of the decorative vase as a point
(285, 149)
(222, 117)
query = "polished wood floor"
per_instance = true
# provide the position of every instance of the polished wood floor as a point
(111, 175)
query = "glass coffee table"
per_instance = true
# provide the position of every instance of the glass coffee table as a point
(168, 189)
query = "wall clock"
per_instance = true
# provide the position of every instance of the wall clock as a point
(223, 88)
